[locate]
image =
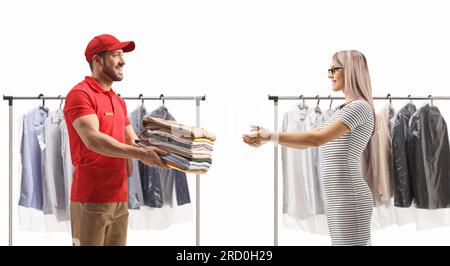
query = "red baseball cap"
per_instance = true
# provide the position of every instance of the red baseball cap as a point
(106, 43)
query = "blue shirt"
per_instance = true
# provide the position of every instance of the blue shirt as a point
(30, 151)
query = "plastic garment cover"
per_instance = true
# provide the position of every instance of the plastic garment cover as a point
(429, 158)
(403, 194)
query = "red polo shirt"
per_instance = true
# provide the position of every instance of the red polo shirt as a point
(96, 178)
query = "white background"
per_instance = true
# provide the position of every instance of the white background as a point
(235, 52)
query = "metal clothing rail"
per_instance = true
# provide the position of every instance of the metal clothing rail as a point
(388, 97)
(10, 100)
(276, 98)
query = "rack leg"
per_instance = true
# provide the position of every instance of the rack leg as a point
(275, 180)
(10, 228)
(197, 183)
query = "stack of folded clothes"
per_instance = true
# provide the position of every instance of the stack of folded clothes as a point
(190, 148)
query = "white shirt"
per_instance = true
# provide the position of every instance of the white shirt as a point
(302, 188)
(67, 166)
(53, 182)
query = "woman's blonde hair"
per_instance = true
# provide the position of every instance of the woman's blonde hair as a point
(356, 75)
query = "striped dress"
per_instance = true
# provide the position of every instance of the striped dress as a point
(348, 199)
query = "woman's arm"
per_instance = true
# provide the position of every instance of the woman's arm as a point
(297, 146)
(300, 140)
(313, 138)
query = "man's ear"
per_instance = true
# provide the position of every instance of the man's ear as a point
(97, 59)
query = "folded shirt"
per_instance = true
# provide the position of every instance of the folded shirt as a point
(164, 136)
(189, 148)
(176, 129)
(176, 160)
(177, 150)
(182, 165)
(169, 141)
(201, 160)
(199, 140)
(176, 167)
(200, 149)
(181, 161)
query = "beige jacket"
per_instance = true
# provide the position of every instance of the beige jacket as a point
(376, 163)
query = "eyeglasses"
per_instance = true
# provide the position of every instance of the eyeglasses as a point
(333, 70)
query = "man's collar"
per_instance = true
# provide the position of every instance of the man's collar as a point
(96, 86)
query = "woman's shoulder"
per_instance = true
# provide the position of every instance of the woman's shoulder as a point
(359, 104)
(359, 107)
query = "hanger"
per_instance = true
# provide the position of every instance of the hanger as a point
(60, 104)
(43, 100)
(161, 97)
(430, 98)
(141, 97)
(389, 97)
(317, 109)
(304, 104)
(329, 97)
(409, 97)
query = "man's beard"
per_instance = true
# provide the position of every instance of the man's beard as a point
(111, 73)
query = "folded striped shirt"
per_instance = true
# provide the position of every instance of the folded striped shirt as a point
(178, 150)
(176, 129)
(164, 136)
(185, 164)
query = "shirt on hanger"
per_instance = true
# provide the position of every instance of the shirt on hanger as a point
(54, 200)
(302, 191)
(30, 152)
(67, 165)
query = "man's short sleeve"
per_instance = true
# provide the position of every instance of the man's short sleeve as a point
(78, 103)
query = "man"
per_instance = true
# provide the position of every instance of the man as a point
(101, 142)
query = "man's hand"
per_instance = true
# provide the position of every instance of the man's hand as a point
(151, 157)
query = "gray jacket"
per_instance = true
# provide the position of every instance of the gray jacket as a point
(403, 194)
(135, 192)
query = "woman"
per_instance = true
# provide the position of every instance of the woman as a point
(344, 135)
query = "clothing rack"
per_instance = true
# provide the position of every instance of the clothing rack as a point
(11, 99)
(276, 98)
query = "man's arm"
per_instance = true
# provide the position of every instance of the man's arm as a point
(130, 137)
(87, 128)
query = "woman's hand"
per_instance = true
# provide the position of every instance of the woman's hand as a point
(258, 136)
